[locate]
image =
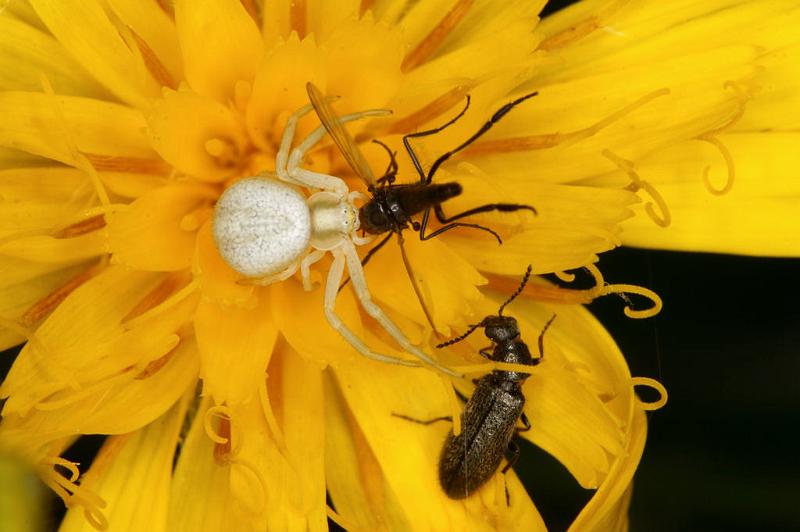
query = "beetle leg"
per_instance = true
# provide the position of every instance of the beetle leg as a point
(512, 448)
(526, 425)
(424, 225)
(423, 421)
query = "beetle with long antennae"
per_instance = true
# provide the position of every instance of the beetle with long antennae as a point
(488, 423)
(265, 229)
(392, 206)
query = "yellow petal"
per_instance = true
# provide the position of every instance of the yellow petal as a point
(275, 21)
(152, 24)
(131, 185)
(776, 104)
(220, 45)
(297, 313)
(447, 282)
(758, 216)
(571, 424)
(148, 234)
(24, 12)
(608, 508)
(25, 283)
(235, 347)
(486, 19)
(139, 463)
(11, 158)
(573, 224)
(600, 432)
(33, 124)
(21, 494)
(495, 62)
(10, 338)
(74, 335)
(200, 496)
(85, 30)
(26, 53)
(367, 76)
(431, 82)
(218, 280)
(423, 19)
(280, 87)
(356, 484)
(408, 452)
(61, 251)
(183, 124)
(642, 29)
(323, 17)
(253, 482)
(107, 409)
(611, 35)
(41, 199)
(38, 201)
(517, 253)
(295, 387)
(635, 118)
(710, 64)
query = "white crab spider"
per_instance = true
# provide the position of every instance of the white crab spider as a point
(263, 229)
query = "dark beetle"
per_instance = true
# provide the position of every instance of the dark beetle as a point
(392, 206)
(488, 423)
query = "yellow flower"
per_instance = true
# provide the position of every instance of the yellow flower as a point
(124, 121)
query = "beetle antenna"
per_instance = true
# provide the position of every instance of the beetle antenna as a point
(541, 335)
(390, 174)
(518, 291)
(459, 338)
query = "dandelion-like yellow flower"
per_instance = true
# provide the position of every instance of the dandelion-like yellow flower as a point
(124, 121)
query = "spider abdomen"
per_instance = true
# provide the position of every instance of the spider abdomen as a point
(261, 226)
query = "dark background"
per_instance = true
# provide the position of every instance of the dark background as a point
(722, 455)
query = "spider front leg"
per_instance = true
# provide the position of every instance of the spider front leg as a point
(317, 180)
(270, 279)
(331, 291)
(360, 286)
(305, 267)
(282, 156)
